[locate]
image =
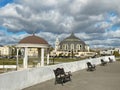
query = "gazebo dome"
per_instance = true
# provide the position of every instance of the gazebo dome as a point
(33, 40)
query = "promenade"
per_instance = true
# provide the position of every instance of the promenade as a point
(104, 78)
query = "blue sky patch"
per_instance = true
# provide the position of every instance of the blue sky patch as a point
(4, 2)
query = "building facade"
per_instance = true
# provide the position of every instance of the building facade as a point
(72, 43)
(70, 46)
(11, 51)
(5, 51)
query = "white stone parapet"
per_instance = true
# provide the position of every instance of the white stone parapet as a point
(17, 80)
(8, 66)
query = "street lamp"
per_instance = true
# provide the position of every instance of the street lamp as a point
(54, 57)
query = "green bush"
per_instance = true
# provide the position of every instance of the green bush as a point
(9, 62)
(116, 54)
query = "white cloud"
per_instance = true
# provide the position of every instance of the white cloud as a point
(60, 17)
(113, 34)
(9, 10)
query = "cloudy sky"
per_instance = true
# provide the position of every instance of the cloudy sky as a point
(97, 22)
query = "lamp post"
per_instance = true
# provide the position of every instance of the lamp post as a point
(17, 59)
(3, 65)
(54, 58)
(72, 53)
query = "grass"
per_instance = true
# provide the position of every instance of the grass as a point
(5, 61)
(117, 59)
(65, 59)
(31, 61)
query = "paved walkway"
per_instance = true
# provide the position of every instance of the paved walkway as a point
(104, 78)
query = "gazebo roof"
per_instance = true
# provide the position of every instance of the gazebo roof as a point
(33, 41)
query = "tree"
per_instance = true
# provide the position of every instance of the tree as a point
(19, 52)
(116, 53)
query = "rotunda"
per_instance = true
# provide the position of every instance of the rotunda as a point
(33, 42)
(72, 43)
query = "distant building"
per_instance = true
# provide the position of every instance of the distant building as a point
(33, 52)
(117, 49)
(71, 46)
(6, 50)
(107, 52)
(72, 43)
(11, 51)
(57, 44)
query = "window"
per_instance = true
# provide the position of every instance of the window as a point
(72, 46)
(80, 47)
(65, 47)
(77, 47)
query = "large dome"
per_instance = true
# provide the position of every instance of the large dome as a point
(72, 43)
(33, 40)
(72, 39)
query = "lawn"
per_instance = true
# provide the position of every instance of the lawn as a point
(5, 61)
(118, 59)
(32, 62)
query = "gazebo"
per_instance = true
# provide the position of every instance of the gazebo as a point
(33, 41)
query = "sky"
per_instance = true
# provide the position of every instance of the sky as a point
(97, 22)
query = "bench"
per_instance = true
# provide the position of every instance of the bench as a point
(110, 60)
(91, 67)
(103, 63)
(61, 76)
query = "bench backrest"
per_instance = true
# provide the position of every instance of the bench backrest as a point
(89, 64)
(102, 60)
(59, 71)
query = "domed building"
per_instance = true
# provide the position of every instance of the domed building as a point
(70, 45)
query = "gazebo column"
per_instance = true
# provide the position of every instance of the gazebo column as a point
(25, 61)
(17, 59)
(42, 56)
(48, 59)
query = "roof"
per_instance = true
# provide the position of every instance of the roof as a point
(72, 38)
(33, 40)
